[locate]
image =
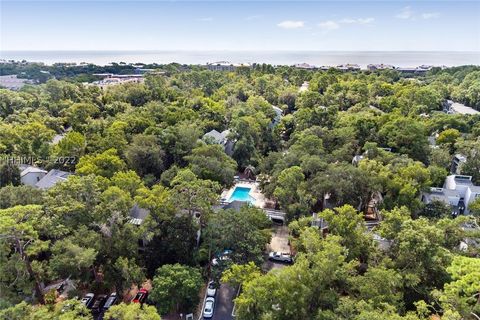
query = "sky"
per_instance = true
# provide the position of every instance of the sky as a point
(240, 25)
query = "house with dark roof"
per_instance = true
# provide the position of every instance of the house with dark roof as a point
(457, 162)
(381, 66)
(278, 116)
(138, 215)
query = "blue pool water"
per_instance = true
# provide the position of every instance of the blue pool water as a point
(241, 194)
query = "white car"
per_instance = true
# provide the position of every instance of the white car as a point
(208, 310)
(217, 261)
(211, 289)
(281, 257)
(88, 300)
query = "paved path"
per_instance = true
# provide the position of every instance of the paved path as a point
(224, 302)
(279, 240)
(226, 294)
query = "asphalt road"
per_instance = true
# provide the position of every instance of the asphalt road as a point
(226, 294)
(224, 302)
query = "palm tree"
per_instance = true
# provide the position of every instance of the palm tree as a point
(250, 172)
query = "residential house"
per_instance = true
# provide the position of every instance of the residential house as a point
(457, 162)
(138, 215)
(110, 79)
(53, 177)
(418, 70)
(348, 67)
(374, 67)
(458, 191)
(278, 115)
(451, 107)
(220, 138)
(31, 175)
(305, 66)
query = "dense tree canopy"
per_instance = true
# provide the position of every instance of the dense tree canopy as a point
(143, 200)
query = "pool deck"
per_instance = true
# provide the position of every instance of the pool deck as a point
(255, 193)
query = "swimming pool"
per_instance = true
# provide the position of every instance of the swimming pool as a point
(241, 194)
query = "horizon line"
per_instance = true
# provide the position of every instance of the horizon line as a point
(224, 50)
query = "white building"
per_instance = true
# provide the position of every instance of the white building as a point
(373, 67)
(112, 79)
(30, 175)
(452, 107)
(305, 66)
(458, 191)
(348, 67)
(225, 66)
(220, 138)
(12, 82)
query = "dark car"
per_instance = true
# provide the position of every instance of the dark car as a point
(88, 300)
(99, 303)
(112, 300)
(141, 296)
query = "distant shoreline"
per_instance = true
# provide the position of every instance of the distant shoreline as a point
(317, 58)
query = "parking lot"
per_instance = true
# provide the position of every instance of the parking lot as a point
(225, 294)
(279, 243)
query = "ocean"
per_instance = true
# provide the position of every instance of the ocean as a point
(317, 58)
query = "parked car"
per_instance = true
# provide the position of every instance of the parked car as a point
(221, 257)
(112, 300)
(88, 300)
(99, 303)
(141, 296)
(209, 308)
(211, 289)
(281, 257)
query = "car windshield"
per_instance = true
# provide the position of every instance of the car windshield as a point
(211, 285)
(138, 296)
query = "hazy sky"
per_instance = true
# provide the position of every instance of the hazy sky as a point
(240, 25)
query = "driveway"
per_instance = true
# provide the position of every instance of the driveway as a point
(279, 240)
(224, 302)
(279, 243)
(226, 294)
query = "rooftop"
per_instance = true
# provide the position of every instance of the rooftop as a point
(31, 169)
(456, 107)
(218, 137)
(53, 177)
(138, 214)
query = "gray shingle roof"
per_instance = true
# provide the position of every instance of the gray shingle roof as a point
(218, 137)
(30, 169)
(53, 177)
(138, 214)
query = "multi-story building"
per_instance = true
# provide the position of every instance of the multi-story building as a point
(225, 66)
(374, 67)
(458, 191)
